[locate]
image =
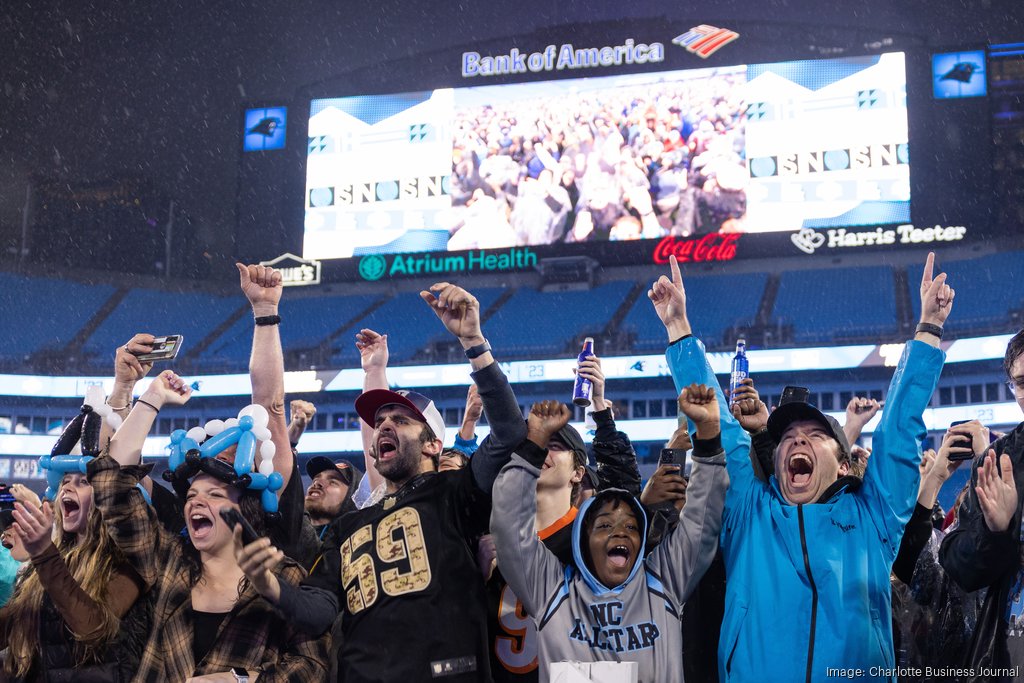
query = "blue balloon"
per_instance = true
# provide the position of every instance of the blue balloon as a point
(269, 500)
(216, 444)
(245, 453)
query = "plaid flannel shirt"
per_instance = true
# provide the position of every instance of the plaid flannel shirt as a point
(253, 636)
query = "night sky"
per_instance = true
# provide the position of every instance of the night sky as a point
(91, 90)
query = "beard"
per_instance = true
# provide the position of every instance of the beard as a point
(404, 465)
(317, 508)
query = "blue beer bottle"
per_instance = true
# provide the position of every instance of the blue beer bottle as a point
(583, 388)
(740, 369)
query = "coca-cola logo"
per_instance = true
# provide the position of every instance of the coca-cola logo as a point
(711, 247)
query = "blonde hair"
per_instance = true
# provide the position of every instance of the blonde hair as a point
(92, 563)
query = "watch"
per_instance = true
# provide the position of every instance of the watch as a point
(240, 674)
(478, 350)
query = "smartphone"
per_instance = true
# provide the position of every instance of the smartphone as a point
(164, 348)
(231, 517)
(962, 442)
(6, 497)
(672, 456)
(794, 395)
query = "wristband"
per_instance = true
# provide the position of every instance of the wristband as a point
(147, 403)
(928, 328)
(478, 350)
(268, 320)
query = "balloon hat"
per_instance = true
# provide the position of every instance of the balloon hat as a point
(84, 429)
(194, 451)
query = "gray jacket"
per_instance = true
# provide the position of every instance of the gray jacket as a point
(578, 618)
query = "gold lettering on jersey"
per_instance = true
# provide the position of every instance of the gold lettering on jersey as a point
(392, 547)
(360, 570)
(399, 537)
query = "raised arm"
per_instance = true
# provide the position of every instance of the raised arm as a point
(859, 412)
(85, 616)
(165, 389)
(613, 451)
(688, 549)
(459, 311)
(128, 519)
(890, 481)
(262, 287)
(984, 548)
(128, 370)
(373, 356)
(530, 568)
(689, 365)
(466, 440)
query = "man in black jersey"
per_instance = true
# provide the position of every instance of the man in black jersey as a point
(402, 570)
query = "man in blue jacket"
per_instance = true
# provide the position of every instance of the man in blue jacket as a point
(808, 553)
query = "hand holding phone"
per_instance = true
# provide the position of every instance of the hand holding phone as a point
(964, 441)
(231, 517)
(163, 348)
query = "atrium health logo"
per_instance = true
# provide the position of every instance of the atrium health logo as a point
(373, 267)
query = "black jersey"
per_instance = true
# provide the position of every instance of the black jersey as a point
(511, 631)
(411, 597)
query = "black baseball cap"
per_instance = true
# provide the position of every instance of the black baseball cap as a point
(798, 411)
(571, 439)
(321, 464)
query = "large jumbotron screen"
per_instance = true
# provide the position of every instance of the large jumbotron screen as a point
(756, 148)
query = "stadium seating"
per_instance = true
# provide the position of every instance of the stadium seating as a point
(40, 313)
(987, 291)
(533, 322)
(833, 304)
(194, 315)
(717, 303)
(409, 324)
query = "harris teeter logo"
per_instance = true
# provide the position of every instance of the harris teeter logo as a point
(374, 266)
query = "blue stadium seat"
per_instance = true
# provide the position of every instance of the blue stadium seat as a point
(533, 322)
(831, 304)
(409, 324)
(716, 302)
(987, 289)
(194, 315)
(43, 313)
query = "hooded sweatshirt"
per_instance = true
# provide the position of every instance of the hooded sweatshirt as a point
(577, 617)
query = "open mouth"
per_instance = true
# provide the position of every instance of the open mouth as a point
(315, 493)
(69, 507)
(800, 470)
(200, 525)
(386, 448)
(618, 556)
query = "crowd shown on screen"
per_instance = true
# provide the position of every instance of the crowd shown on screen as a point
(767, 545)
(638, 161)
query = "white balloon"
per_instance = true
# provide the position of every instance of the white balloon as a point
(268, 449)
(259, 414)
(197, 434)
(261, 433)
(114, 420)
(267, 467)
(94, 396)
(214, 427)
(230, 422)
(102, 410)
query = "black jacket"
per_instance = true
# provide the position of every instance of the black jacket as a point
(977, 558)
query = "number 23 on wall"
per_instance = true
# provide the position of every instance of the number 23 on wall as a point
(399, 537)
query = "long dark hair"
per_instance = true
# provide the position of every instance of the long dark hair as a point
(92, 564)
(252, 509)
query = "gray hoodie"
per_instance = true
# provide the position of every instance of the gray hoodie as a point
(578, 618)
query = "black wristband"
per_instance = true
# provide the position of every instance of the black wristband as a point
(147, 403)
(478, 350)
(268, 320)
(928, 328)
